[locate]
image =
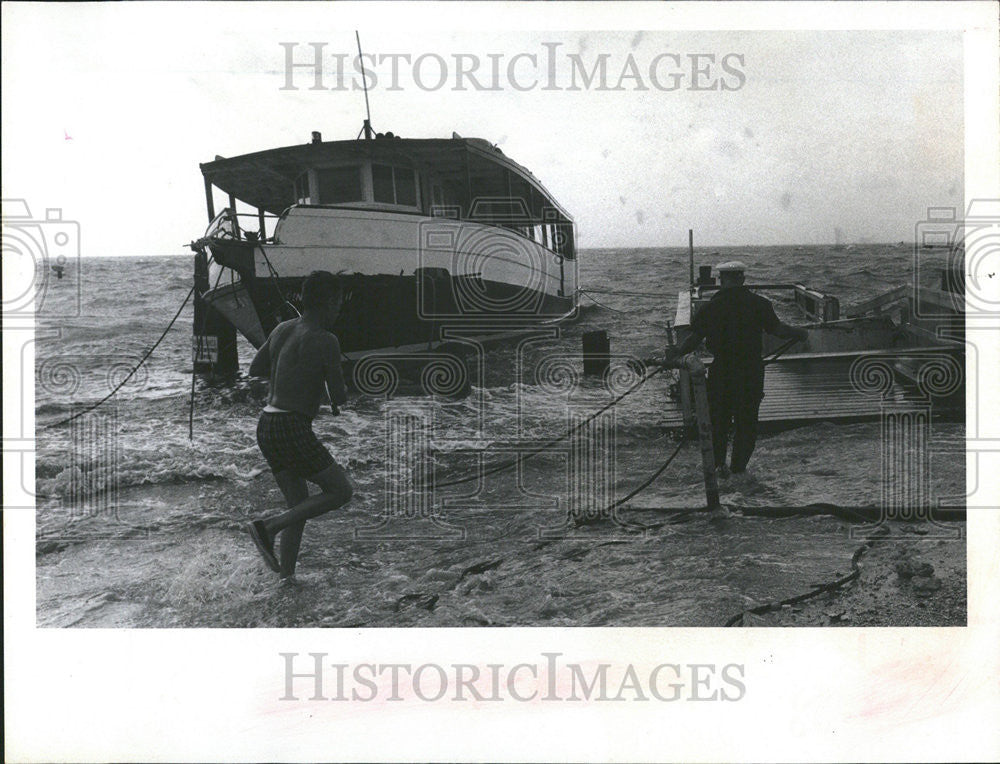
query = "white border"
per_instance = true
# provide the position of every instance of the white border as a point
(854, 694)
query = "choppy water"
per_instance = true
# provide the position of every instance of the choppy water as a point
(159, 540)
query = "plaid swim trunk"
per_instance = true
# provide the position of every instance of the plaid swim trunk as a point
(288, 443)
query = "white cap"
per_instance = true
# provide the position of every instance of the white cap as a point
(733, 266)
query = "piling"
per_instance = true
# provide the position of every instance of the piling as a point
(213, 338)
(596, 352)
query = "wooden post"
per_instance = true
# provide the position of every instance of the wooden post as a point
(214, 348)
(700, 391)
(596, 352)
(684, 388)
(236, 220)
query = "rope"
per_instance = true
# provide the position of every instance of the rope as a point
(642, 487)
(667, 328)
(650, 479)
(276, 277)
(625, 294)
(521, 458)
(777, 353)
(131, 373)
(628, 523)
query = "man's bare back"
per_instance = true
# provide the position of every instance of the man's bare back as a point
(302, 360)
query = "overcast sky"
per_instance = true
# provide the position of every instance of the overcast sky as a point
(108, 110)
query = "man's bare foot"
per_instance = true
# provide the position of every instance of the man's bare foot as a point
(265, 544)
(289, 583)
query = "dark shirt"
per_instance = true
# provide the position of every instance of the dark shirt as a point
(732, 323)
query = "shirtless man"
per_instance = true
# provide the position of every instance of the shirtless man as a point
(302, 360)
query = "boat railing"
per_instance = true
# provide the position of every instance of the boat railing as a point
(240, 226)
(813, 303)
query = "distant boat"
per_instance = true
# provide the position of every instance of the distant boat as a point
(838, 238)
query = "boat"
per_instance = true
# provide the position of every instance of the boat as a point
(903, 347)
(426, 234)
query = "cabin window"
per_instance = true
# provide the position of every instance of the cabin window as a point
(394, 185)
(559, 238)
(302, 189)
(564, 235)
(406, 186)
(339, 184)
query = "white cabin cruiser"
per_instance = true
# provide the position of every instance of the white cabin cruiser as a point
(426, 234)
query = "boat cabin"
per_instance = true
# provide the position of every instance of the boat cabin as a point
(457, 178)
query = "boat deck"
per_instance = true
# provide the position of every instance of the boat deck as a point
(916, 361)
(798, 390)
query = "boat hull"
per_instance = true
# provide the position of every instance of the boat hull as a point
(406, 277)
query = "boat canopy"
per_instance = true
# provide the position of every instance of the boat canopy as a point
(456, 173)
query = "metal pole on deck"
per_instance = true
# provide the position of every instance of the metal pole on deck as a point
(700, 390)
(691, 255)
(209, 200)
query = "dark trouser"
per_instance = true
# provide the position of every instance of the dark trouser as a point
(734, 393)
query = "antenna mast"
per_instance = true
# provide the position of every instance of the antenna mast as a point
(367, 128)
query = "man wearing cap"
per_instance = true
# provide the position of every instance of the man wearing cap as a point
(731, 325)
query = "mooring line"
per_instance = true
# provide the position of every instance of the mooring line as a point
(131, 373)
(666, 328)
(431, 599)
(775, 355)
(521, 458)
(642, 487)
(276, 277)
(623, 294)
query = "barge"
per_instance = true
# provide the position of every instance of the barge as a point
(905, 347)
